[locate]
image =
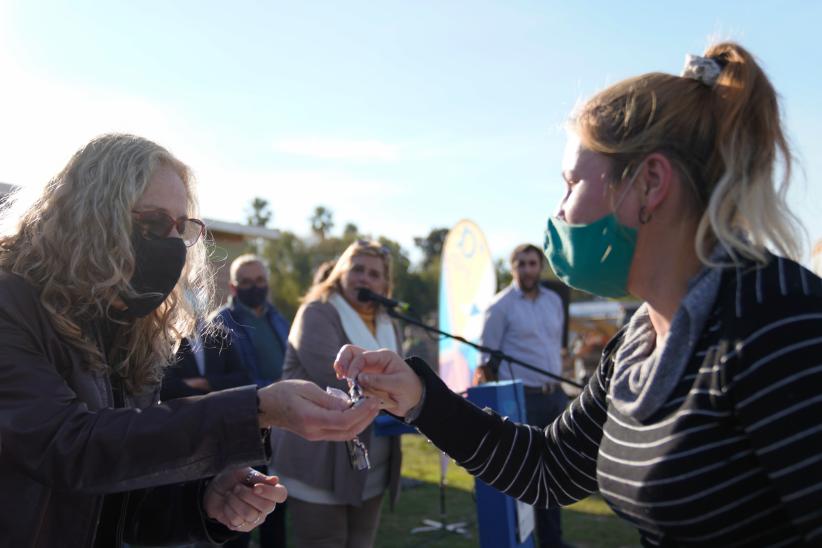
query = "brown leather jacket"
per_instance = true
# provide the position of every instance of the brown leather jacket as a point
(63, 445)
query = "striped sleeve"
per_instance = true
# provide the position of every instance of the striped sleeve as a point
(554, 466)
(774, 378)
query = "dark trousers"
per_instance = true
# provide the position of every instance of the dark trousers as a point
(541, 410)
(272, 531)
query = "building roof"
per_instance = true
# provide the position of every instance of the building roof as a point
(239, 229)
(214, 225)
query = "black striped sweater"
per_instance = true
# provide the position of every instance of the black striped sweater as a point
(733, 458)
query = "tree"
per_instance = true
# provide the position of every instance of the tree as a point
(401, 270)
(431, 245)
(322, 222)
(259, 214)
(285, 257)
(503, 272)
(350, 232)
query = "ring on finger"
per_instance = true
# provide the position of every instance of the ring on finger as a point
(250, 477)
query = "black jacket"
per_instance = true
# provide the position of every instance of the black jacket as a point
(63, 445)
(223, 368)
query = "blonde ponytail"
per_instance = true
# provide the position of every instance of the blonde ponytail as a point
(725, 140)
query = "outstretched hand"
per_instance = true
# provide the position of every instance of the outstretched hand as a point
(383, 375)
(241, 498)
(305, 409)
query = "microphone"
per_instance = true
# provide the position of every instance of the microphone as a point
(365, 295)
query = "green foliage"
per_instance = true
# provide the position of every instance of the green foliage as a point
(504, 276)
(431, 246)
(322, 222)
(587, 523)
(350, 231)
(258, 212)
(293, 261)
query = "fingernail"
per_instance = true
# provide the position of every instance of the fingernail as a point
(258, 490)
(363, 377)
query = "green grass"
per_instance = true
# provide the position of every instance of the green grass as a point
(589, 523)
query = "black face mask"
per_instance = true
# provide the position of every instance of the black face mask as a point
(158, 265)
(253, 296)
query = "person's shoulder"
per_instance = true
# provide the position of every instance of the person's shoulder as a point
(772, 313)
(317, 310)
(15, 292)
(223, 311)
(502, 298)
(550, 295)
(20, 302)
(318, 305)
(781, 286)
(274, 313)
(223, 317)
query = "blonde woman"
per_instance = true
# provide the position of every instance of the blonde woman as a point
(92, 279)
(323, 486)
(701, 424)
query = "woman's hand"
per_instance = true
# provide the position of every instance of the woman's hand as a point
(381, 374)
(305, 409)
(241, 498)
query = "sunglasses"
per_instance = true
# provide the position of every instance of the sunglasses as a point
(156, 225)
(384, 250)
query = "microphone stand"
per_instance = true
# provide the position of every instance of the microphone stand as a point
(496, 356)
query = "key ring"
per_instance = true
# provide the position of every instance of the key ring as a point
(252, 477)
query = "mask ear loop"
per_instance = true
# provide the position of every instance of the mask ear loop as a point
(625, 193)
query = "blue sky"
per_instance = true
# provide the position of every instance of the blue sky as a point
(398, 116)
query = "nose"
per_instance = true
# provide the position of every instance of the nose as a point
(175, 231)
(560, 211)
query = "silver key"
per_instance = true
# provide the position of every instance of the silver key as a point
(357, 452)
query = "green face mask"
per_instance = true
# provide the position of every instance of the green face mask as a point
(595, 257)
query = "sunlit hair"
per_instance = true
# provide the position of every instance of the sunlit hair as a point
(323, 271)
(369, 248)
(527, 248)
(243, 260)
(726, 143)
(73, 244)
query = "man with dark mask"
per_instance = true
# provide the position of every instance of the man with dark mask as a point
(257, 329)
(259, 334)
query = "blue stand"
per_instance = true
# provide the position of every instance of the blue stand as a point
(386, 425)
(497, 520)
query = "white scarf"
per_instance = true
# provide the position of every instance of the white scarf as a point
(358, 333)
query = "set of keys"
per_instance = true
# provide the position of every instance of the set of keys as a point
(357, 452)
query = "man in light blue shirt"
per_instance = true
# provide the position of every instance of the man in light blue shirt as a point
(525, 321)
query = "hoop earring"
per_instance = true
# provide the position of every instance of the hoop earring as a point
(644, 216)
